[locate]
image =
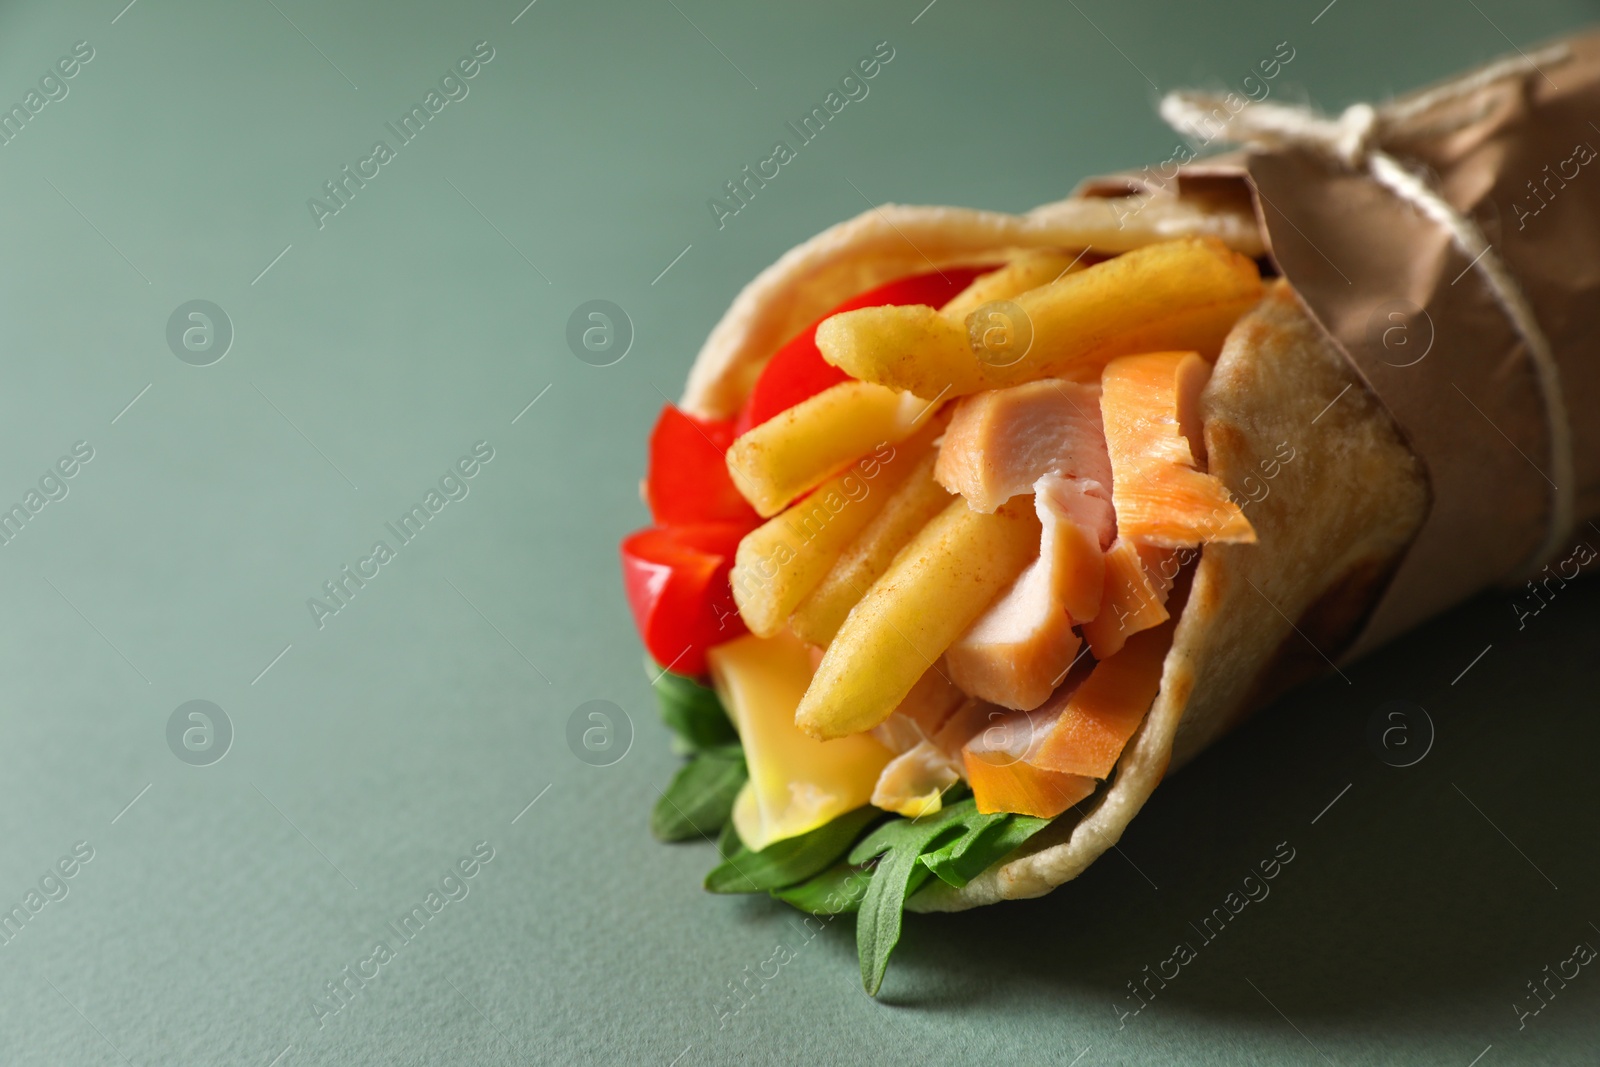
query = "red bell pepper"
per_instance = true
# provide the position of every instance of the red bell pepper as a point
(688, 480)
(676, 579)
(798, 371)
(676, 573)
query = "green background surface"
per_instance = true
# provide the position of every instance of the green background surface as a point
(381, 748)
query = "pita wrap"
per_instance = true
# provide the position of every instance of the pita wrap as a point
(1332, 526)
(1340, 463)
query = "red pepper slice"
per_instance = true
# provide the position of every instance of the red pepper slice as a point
(676, 579)
(676, 573)
(797, 370)
(688, 480)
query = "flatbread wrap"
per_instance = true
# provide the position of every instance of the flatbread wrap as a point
(971, 527)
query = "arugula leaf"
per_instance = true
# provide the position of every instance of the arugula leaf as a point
(963, 859)
(954, 831)
(691, 711)
(898, 845)
(700, 798)
(728, 841)
(879, 874)
(783, 863)
(835, 891)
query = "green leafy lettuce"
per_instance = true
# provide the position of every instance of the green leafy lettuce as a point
(955, 843)
(793, 860)
(863, 861)
(691, 711)
(699, 800)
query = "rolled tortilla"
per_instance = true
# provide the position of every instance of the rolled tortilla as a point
(1333, 522)
(1359, 538)
(1331, 527)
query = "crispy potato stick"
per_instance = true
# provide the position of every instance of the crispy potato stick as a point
(1178, 294)
(936, 586)
(806, 445)
(781, 561)
(1027, 270)
(917, 501)
(893, 240)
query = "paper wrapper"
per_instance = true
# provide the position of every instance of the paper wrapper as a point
(1423, 329)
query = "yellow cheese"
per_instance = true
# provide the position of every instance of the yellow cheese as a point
(796, 783)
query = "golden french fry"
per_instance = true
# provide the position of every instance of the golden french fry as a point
(803, 447)
(1183, 294)
(781, 561)
(936, 586)
(917, 501)
(1029, 269)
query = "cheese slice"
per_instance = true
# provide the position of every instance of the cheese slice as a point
(797, 783)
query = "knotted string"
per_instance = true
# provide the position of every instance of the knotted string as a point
(1354, 141)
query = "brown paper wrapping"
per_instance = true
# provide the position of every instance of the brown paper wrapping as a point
(1422, 327)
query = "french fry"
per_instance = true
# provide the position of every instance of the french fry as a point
(936, 586)
(1183, 294)
(1029, 269)
(808, 444)
(917, 501)
(781, 561)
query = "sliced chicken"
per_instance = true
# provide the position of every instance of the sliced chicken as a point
(1001, 441)
(926, 708)
(1078, 525)
(1091, 724)
(1150, 407)
(1017, 651)
(995, 760)
(914, 782)
(1134, 598)
(959, 728)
